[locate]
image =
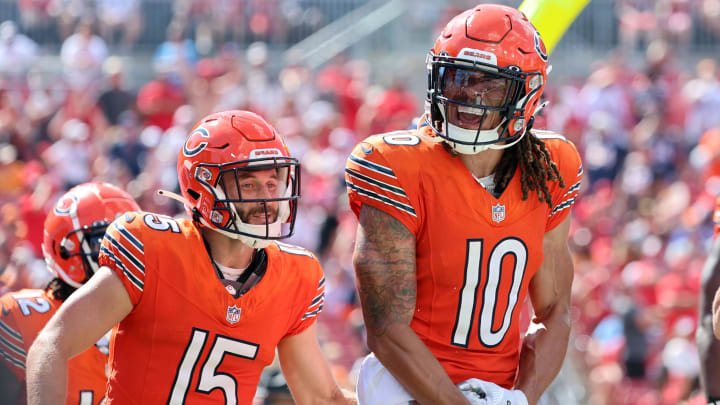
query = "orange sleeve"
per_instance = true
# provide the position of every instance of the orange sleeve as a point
(123, 251)
(313, 296)
(567, 158)
(12, 343)
(380, 175)
(24, 314)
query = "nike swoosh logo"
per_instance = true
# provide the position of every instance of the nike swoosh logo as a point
(5, 312)
(366, 150)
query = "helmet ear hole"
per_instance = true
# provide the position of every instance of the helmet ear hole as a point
(192, 193)
(63, 252)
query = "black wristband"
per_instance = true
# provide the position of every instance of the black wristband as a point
(713, 401)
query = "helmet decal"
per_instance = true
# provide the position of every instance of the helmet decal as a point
(201, 145)
(263, 153)
(479, 56)
(66, 205)
(540, 47)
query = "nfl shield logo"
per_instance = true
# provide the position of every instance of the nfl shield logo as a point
(233, 314)
(498, 212)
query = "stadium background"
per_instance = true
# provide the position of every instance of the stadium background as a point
(634, 85)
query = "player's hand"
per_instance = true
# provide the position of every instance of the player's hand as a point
(493, 393)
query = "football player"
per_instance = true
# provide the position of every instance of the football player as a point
(202, 304)
(460, 221)
(73, 231)
(709, 319)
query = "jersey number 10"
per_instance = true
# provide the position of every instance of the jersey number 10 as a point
(490, 294)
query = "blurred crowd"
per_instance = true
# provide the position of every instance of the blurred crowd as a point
(649, 136)
(650, 141)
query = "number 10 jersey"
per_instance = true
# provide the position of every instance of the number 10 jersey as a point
(475, 253)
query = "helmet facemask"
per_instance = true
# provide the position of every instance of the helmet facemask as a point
(84, 242)
(477, 106)
(253, 198)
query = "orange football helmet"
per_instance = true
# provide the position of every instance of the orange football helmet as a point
(75, 227)
(222, 150)
(486, 73)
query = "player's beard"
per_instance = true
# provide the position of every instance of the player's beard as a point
(255, 215)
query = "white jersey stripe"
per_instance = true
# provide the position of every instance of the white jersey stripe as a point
(133, 279)
(373, 166)
(395, 190)
(10, 331)
(129, 236)
(573, 188)
(565, 204)
(126, 253)
(12, 347)
(12, 360)
(389, 201)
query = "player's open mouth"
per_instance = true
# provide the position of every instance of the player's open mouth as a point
(470, 117)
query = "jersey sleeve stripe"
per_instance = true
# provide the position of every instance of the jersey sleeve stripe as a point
(395, 190)
(10, 331)
(12, 360)
(312, 313)
(321, 283)
(134, 280)
(129, 236)
(318, 298)
(580, 171)
(404, 207)
(575, 187)
(548, 135)
(565, 204)
(319, 304)
(18, 350)
(373, 166)
(293, 250)
(126, 253)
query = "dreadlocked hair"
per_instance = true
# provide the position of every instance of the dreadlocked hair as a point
(536, 168)
(59, 289)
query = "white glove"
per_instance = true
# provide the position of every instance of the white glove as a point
(493, 393)
(474, 398)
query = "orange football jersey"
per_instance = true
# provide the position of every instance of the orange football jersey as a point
(187, 339)
(24, 314)
(476, 253)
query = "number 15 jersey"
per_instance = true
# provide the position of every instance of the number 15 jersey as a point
(188, 340)
(475, 253)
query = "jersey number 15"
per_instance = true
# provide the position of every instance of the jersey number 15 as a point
(209, 379)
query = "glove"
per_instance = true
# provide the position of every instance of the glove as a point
(493, 393)
(474, 398)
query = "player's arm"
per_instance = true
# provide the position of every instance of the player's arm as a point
(544, 346)
(384, 260)
(86, 316)
(307, 372)
(716, 314)
(708, 345)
